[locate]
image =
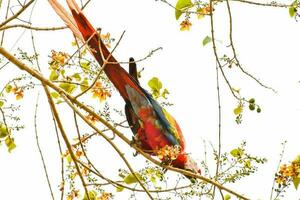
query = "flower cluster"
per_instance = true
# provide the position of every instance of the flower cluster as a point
(107, 40)
(185, 25)
(100, 92)
(289, 173)
(73, 194)
(168, 153)
(91, 118)
(201, 11)
(58, 59)
(18, 92)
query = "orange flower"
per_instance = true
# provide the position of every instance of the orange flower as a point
(85, 171)
(185, 25)
(281, 180)
(99, 92)
(58, 59)
(201, 12)
(91, 118)
(168, 152)
(106, 39)
(19, 92)
(79, 153)
(73, 194)
(61, 186)
(104, 196)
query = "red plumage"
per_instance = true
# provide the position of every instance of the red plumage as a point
(153, 127)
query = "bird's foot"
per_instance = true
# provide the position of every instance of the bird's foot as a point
(135, 154)
(132, 142)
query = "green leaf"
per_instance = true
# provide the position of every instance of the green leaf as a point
(8, 88)
(155, 84)
(296, 182)
(69, 158)
(53, 75)
(236, 152)
(55, 95)
(68, 87)
(227, 197)
(62, 72)
(238, 110)
(292, 11)
(206, 40)
(10, 144)
(248, 163)
(3, 131)
(181, 6)
(1, 103)
(85, 66)
(84, 84)
(119, 189)
(130, 178)
(92, 195)
(77, 77)
(153, 179)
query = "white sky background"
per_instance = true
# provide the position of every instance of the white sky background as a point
(267, 42)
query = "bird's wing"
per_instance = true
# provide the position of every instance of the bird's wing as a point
(146, 108)
(132, 118)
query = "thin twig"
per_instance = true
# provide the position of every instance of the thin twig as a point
(81, 144)
(219, 126)
(152, 191)
(6, 16)
(272, 4)
(64, 135)
(279, 162)
(215, 50)
(17, 14)
(62, 171)
(83, 7)
(121, 154)
(62, 188)
(116, 184)
(141, 59)
(234, 51)
(39, 148)
(32, 27)
(105, 62)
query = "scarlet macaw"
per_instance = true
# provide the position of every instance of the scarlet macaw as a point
(154, 128)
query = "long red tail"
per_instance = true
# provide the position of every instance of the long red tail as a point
(83, 29)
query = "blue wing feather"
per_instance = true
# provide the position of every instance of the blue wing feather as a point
(137, 101)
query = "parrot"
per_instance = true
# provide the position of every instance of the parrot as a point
(153, 127)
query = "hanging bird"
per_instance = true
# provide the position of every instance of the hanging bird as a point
(154, 128)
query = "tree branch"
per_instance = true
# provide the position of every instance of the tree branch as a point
(45, 81)
(32, 27)
(64, 135)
